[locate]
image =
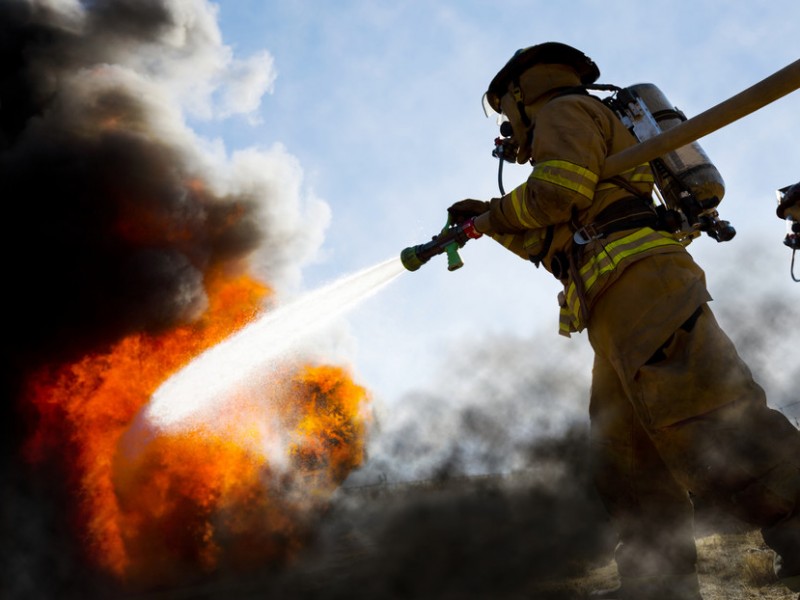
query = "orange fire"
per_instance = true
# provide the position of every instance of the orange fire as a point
(195, 500)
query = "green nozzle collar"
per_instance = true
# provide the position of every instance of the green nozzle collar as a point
(410, 259)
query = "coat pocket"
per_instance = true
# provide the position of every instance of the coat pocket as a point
(695, 373)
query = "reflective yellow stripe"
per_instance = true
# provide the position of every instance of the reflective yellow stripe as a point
(521, 208)
(642, 177)
(567, 175)
(643, 168)
(639, 174)
(604, 262)
(639, 241)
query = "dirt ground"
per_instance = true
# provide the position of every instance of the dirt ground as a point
(732, 566)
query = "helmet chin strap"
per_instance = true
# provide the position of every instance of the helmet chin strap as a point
(529, 139)
(526, 121)
(520, 100)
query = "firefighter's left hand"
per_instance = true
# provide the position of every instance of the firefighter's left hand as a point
(463, 210)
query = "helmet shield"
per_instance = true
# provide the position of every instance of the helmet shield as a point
(489, 107)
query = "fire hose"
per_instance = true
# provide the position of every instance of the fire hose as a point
(779, 84)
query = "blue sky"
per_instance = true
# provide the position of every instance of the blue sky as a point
(378, 105)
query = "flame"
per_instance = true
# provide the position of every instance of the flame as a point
(196, 500)
(330, 440)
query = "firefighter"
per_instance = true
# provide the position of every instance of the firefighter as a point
(674, 410)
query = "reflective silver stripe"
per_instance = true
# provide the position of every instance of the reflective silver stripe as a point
(567, 175)
(601, 264)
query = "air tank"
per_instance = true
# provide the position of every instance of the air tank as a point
(687, 169)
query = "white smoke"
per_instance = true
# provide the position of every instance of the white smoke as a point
(169, 56)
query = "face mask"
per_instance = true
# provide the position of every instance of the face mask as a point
(522, 135)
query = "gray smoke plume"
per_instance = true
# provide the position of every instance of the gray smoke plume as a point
(494, 399)
(491, 402)
(116, 211)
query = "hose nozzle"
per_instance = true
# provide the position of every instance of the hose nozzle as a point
(410, 257)
(450, 239)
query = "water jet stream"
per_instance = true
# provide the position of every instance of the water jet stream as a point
(205, 380)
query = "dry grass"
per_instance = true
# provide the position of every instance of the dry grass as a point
(738, 566)
(731, 566)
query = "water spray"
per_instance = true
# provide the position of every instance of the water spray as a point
(209, 379)
(450, 239)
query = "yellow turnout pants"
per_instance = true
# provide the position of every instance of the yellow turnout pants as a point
(689, 418)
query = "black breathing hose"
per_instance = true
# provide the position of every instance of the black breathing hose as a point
(500, 175)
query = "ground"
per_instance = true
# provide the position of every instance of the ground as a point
(732, 566)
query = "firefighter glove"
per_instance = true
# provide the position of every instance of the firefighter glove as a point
(463, 210)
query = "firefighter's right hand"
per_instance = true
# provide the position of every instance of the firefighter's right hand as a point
(464, 210)
(789, 208)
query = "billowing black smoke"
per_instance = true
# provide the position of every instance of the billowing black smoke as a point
(109, 228)
(116, 212)
(515, 536)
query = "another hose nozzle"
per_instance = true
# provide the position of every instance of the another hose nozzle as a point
(449, 240)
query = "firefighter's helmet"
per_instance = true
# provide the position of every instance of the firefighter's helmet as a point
(547, 53)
